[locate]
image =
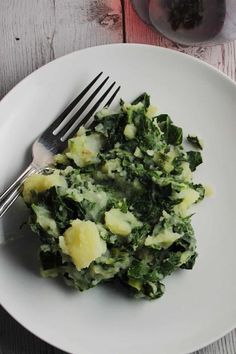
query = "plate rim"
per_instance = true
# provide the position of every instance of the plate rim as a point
(154, 47)
(172, 51)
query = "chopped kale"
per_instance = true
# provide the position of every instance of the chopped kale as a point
(173, 135)
(144, 99)
(116, 204)
(194, 159)
(194, 140)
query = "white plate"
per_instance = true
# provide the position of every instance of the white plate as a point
(199, 306)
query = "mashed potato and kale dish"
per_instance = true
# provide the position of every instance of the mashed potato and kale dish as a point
(116, 203)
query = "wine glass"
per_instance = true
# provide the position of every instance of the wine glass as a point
(191, 22)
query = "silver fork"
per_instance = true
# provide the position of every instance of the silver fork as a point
(54, 139)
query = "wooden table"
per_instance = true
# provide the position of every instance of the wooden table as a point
(34, 32)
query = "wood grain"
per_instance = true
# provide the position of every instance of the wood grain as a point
(34, 32)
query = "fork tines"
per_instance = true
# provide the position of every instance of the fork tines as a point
(67, 130)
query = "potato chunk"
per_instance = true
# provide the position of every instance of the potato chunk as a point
(83, 149)
(121, 223)
(39, 183)
(82, 242)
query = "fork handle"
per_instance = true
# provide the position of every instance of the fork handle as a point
(8, 197)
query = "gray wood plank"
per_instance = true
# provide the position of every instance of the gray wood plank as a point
(35, 32)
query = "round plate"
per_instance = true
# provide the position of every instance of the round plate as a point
(198, 306)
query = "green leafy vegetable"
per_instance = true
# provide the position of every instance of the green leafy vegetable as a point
(172, 134)
(116, 204)
(194, 159)
(194, 140)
